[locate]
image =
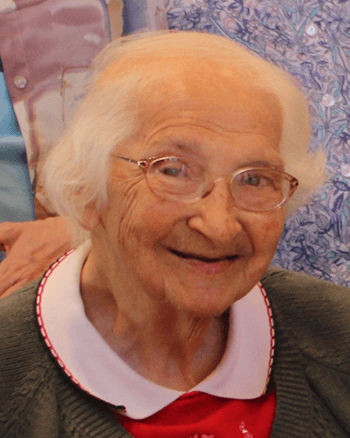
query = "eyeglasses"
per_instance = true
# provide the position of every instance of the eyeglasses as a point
(253, 188)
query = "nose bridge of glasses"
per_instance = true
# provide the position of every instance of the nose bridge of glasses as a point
(211, 181)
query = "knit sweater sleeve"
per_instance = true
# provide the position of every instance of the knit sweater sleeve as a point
(318, 312)
(22, 370)
(312, 321)
(37, 400)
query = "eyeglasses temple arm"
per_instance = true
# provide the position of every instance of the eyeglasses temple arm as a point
(140, 163)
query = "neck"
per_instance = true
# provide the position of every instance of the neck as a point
(164, 345)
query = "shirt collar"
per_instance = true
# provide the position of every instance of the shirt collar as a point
(86, 358)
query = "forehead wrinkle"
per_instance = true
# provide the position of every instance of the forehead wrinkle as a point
(245, 113)
(197, 147)
(250, 111)
(185, 144)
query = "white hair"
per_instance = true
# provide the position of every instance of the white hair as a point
(110, 114)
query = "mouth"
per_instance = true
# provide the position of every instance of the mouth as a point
(206, 264)
(202, 258)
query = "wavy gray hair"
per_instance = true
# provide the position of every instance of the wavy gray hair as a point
(110, 114)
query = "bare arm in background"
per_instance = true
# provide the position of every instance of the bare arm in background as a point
(31, 247)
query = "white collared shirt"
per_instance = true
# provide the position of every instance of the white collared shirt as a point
(87, 359)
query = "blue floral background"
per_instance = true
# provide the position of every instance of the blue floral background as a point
(311, 40)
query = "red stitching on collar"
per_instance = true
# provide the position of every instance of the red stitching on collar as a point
(272, 334)
(42, 325)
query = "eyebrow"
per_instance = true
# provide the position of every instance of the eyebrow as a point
(179, 146)
(264, 163)
(191, 146)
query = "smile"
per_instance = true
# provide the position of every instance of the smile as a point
(202, 258)
(207, 265)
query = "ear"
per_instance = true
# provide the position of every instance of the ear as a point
(89, 219)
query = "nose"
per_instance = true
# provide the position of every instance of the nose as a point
(217, 215)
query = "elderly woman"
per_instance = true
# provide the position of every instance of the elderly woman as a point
(166, 322)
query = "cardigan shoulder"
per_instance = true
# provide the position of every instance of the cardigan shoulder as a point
(24, 367)
(37, 399)
(19, 335)
(312, 327)
(317, 314)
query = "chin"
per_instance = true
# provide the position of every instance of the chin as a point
(199, 302)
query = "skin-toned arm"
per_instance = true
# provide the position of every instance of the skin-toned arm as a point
(31, 247)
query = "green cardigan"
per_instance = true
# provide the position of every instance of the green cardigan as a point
(311, 369)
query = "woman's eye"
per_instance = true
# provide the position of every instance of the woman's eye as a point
(258, 180)
(253, 180)
(174, 171)
(171, 167)
(177, 169)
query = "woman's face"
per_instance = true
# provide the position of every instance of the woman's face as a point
(203, 256)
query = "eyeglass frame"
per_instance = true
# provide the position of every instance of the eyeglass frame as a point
(145, 163)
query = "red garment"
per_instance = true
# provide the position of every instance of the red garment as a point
(199, 415)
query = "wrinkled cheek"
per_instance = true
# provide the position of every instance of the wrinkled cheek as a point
(144, 221)
(271, 235)
(121, 214)
(265, 232)
(139, 230)
(137, 242)
(127, 229)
